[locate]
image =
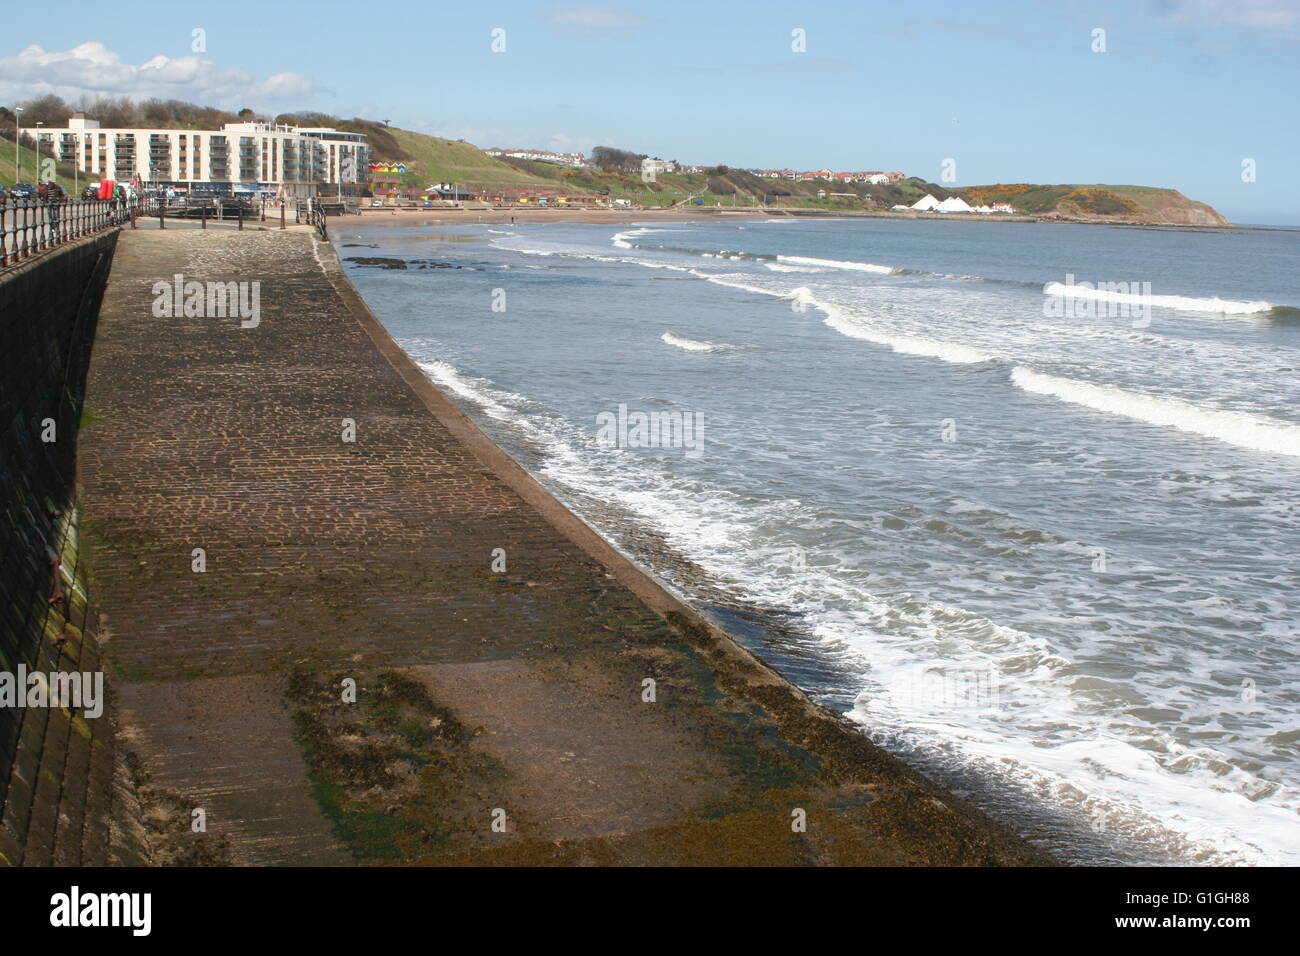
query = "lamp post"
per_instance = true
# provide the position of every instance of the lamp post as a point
(18, 138)
(39, 124)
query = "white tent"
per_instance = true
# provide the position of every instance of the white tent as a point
(954, 204)
(926, 203)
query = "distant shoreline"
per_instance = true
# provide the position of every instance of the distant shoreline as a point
(445, 215)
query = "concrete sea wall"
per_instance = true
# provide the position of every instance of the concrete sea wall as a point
(56, 763)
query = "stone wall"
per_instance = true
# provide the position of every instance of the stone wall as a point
(56, 764)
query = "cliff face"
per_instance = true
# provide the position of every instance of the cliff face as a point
(1176, 209)
(1148, 205)
(1164, 207)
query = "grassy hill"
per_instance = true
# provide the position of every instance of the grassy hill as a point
(1148, 204)
(431, 159)
(28, 156)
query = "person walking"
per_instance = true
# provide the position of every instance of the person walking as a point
(54, 198)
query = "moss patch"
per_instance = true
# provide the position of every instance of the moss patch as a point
(395, 771)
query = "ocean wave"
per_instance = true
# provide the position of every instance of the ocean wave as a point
(477, 391)
(781, 267)
(1181, 302)
(620, 239)
(691, 345)
(838, 264)
(856, 327)
(980, 713)
(1237, 428)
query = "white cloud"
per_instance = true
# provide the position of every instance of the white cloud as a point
(1256, 14)
(94, 70)
(594, 18)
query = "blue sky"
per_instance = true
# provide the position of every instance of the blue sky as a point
(1184, 92)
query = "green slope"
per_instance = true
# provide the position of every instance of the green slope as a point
(28, 158)
(1146, 204)
(430, 159)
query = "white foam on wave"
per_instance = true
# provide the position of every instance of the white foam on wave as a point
(782, 267)
(1180, 302)
(838, 264)
(854, 326)
(691, 345)
(1237, 428)
(1202, 815)
(593, 257)
(620, 239)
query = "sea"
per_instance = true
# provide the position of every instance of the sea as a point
(1018, 499)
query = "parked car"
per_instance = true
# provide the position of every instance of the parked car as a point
(22, 191)
(90, 192)
(4, 193)
(376, 202)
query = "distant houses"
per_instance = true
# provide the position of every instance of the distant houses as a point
(651, 167)
(872, 178)
(449, 191)
(576, 160)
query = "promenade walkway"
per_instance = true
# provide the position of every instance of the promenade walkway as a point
(500, 716)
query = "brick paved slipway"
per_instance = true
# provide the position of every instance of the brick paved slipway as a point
(371, 556)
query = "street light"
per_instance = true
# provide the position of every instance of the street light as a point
(18, 136)
(39, 124)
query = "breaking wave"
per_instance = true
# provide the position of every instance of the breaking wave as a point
(1237, 428)
(1182, 302)
(691, 345)
(838, 264)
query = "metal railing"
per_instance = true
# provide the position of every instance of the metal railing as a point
(314, 214)
(28, 227)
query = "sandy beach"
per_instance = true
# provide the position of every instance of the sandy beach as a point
(470, 215)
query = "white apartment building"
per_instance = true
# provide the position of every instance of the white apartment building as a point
(241, 157)
(653, 166)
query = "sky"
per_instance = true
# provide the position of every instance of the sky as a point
(1198, 95)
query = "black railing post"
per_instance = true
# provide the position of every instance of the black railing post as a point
(203, 214)
(240, 207)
